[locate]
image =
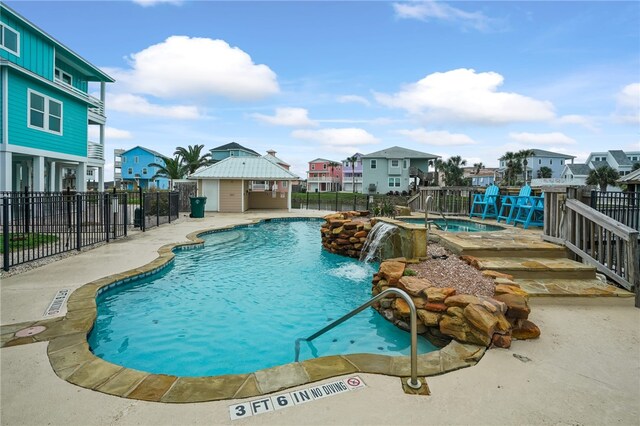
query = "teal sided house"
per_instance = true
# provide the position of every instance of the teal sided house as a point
(46, 111)
(138, 171)
(232, 149)
(394, 169)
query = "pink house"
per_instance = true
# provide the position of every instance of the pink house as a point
(324, 175)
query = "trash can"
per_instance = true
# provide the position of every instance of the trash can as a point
(197, 206)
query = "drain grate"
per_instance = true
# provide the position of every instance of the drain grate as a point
(56, 304)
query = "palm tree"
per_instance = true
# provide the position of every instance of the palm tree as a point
(332, 165)
(524, 154)
(193, 157)
(352, 160)
(172, 169)
(509, 159)
(545, 172)
(635, 167)
(453, 173)
(478, 167)
(603, 176)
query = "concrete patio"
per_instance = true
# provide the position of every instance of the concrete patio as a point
(584, 369)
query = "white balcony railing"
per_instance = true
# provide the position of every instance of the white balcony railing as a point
(95, 151)
(322, 179)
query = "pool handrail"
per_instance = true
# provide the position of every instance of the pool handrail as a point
(413, 381)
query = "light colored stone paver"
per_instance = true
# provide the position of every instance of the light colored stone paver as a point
(281, 377)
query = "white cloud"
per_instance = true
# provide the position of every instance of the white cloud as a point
(138, 105)
(109, 133)
(292, 117)
(427, 10)
(554, 138)
(466, 96)
(148, 3)
(577, 119)
(346, 140)
(345, 99)
(628, 104)
(437, 138)
(183, 67)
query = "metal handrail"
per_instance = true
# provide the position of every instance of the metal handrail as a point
(413, 381)
(427, 201)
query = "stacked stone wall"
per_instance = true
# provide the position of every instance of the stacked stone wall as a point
(345, 233)
(443, 315)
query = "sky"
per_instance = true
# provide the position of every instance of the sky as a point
(329, 79)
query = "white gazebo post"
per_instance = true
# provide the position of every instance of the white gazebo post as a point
(289, 196)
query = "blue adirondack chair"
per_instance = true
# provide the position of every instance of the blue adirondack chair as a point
(530, 212)
(510, 203)
(486, 202)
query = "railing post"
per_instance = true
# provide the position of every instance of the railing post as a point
(26, 210)
(125, 213)
(318, 200)
(143, 221)
(157, 208)
(307, 205)
(633, 275)
(5, 233)
(78, 221)
(107, 214)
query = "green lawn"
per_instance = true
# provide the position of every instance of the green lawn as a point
(22, 241)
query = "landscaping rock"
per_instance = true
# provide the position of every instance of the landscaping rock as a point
(501, 341)
(392, 271)
(414, 285)
(435, 294)
(508, 289)
(401, 307)
(496, 274)
(435, 306)
(517, 306)
(481, 319)
(462, 300)
(428, 318)
(525, 330)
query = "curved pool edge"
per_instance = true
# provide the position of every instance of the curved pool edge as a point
(72, 360)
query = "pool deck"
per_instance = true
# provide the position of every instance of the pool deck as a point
(584, 369)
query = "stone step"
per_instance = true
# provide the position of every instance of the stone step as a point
(505, 245)
(570, 288)
(557, 252)
(538, 267)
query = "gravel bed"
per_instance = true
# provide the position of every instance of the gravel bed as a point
(452, 272)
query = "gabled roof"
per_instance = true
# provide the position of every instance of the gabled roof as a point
(620, 157)
(543, 153)
(156, 153)
(322, 160)
(398, 152)
(233, 145)
(91, 71)
(598, 164)
(632, 177)
(247, 168)
(579, 169)
(275, 160)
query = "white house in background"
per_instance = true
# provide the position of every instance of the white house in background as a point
(541, 158)
(618, 160)
(227, 185)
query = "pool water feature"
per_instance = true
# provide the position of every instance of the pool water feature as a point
(456, 225)
(238, 304)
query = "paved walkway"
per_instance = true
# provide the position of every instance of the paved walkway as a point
(584, 369)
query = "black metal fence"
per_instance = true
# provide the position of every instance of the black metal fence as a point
(342, 201)
(36, 225)
(621, 206)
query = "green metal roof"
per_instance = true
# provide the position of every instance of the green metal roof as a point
(247, 168)
(399, 152)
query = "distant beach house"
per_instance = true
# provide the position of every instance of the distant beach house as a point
(232, 149)
(541, 158)
(352, 174)
(46, 111)
(324, 175)
(484, 177)
(394, 169)
(620, 161)
(136, 169)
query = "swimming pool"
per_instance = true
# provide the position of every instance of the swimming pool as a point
(456, 225)
(238, 304)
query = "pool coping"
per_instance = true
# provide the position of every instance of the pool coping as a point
(72, 360)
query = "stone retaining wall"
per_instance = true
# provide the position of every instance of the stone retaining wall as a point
(444, 315)
(345, 233)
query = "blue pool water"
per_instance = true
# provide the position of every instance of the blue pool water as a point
(457, 225)
(238, 305)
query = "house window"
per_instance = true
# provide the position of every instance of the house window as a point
(144, 171)
(313, 167)
(136, 159)
(124, 159)
(395, 163)
(324, 166)
(285, 183)
(45, 113)
(540, 161)
(374, 164)
(130, 171)
(394, 182)
(550, 161)
(10, 39)
(62, 76)
(405, 164)
(561, 162)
